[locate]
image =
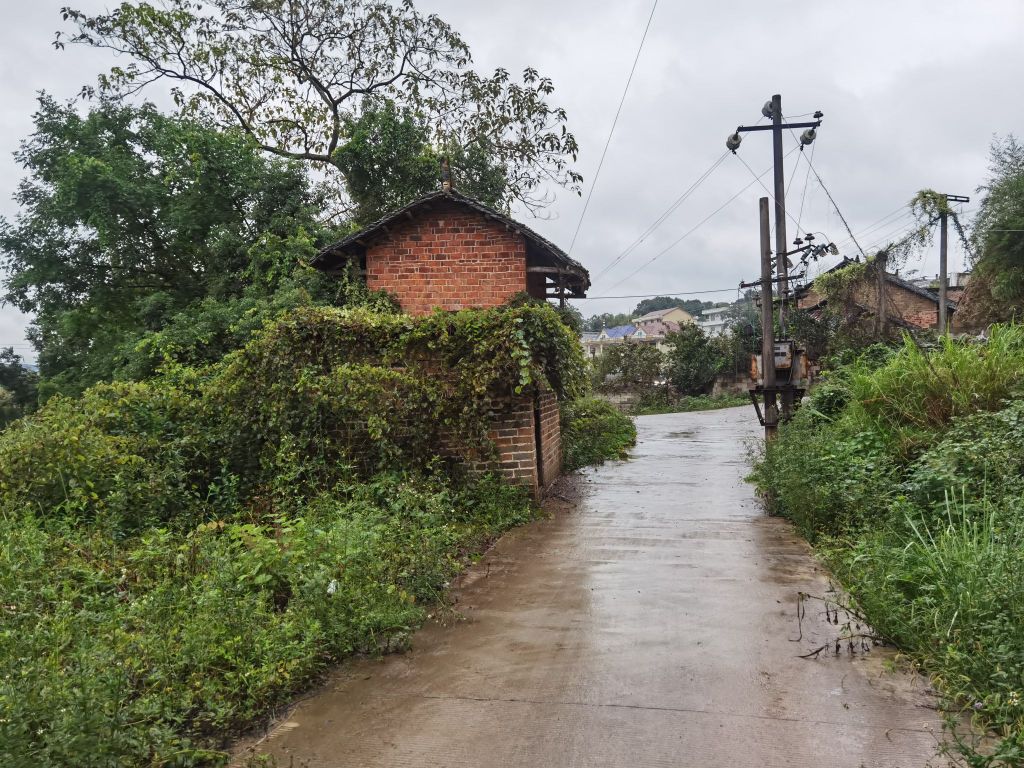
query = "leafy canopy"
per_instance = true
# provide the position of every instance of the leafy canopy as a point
(130, 217)
(998, 239)
(296, 74)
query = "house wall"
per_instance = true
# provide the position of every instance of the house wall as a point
(906, 305)
(516, 423)
(550, 436)
(453, 259)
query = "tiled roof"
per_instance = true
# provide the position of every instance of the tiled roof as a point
(358, 239)
(620, 331)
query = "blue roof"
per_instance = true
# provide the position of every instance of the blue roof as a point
(620, 331)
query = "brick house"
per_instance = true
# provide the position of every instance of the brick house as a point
(447, 251)
(907, 304)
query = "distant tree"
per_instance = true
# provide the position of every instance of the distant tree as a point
(629, 366)
(996, 289)
(693, 360)
(298, 75)
(596, 322)
(19, 387)
(693, 306)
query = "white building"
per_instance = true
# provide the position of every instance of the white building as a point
(714, 321)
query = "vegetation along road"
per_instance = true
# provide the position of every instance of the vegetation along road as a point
(652, 622)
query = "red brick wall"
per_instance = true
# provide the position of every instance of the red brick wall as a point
(901, 303)
(513, 431)
(550, 437)
(448, 257)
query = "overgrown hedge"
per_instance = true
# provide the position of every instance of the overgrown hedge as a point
(180, 555)
(906, 467)
(594, 431)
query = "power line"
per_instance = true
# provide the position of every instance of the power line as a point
(803, 195)
(663, 293)
(832, 200)
(764, 187)
(701, 223)
(664, 216)
(615, 121)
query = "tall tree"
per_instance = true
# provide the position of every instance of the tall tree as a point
(388, 160)
(693, 361)
(996, 290)
(129, 216)
(295, 74)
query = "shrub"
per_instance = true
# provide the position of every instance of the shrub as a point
(147, 650)
(593, 431)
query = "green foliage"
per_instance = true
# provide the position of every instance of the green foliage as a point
(693, 360)
(297, 76)
(387, 161)
(663, 400)
(693, 306)
(997, 288)
(181, 555)
(595, 323)
(628, 366)
(146, 650)
(907, 464)
(594, 431)
(19, 387)
(132, 221)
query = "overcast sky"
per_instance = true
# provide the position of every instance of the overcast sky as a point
(912, 92)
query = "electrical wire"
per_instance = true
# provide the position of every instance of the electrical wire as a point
(803, 195)
(615, 121)
(701, 223)
(764, 186)
(664, 216)
(652, 295)
(833, 201)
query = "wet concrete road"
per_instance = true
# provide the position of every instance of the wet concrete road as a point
(653, 623)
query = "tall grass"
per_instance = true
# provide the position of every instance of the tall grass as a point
(910, 470)
(919, 392)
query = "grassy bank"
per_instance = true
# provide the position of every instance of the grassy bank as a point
(660, 402)
(906, 470)
(180, 556)
(594, 431)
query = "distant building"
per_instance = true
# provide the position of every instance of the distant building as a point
(671, 315)
(907, 304)
(652, 328)
(714, 321)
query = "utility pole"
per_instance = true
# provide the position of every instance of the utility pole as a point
(773, 110)
(771, 409)
(944, 260)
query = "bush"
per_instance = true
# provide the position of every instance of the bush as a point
(693, 360)
(179, 556)
(594, 431)
(667, 401)
(147, 650)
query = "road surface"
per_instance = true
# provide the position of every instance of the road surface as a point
(651, 623)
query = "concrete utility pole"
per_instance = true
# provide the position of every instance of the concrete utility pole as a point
(771, 409)
(773, 110)
(944, 261)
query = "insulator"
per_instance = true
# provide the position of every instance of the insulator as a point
(733, 142)
(808, 136)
